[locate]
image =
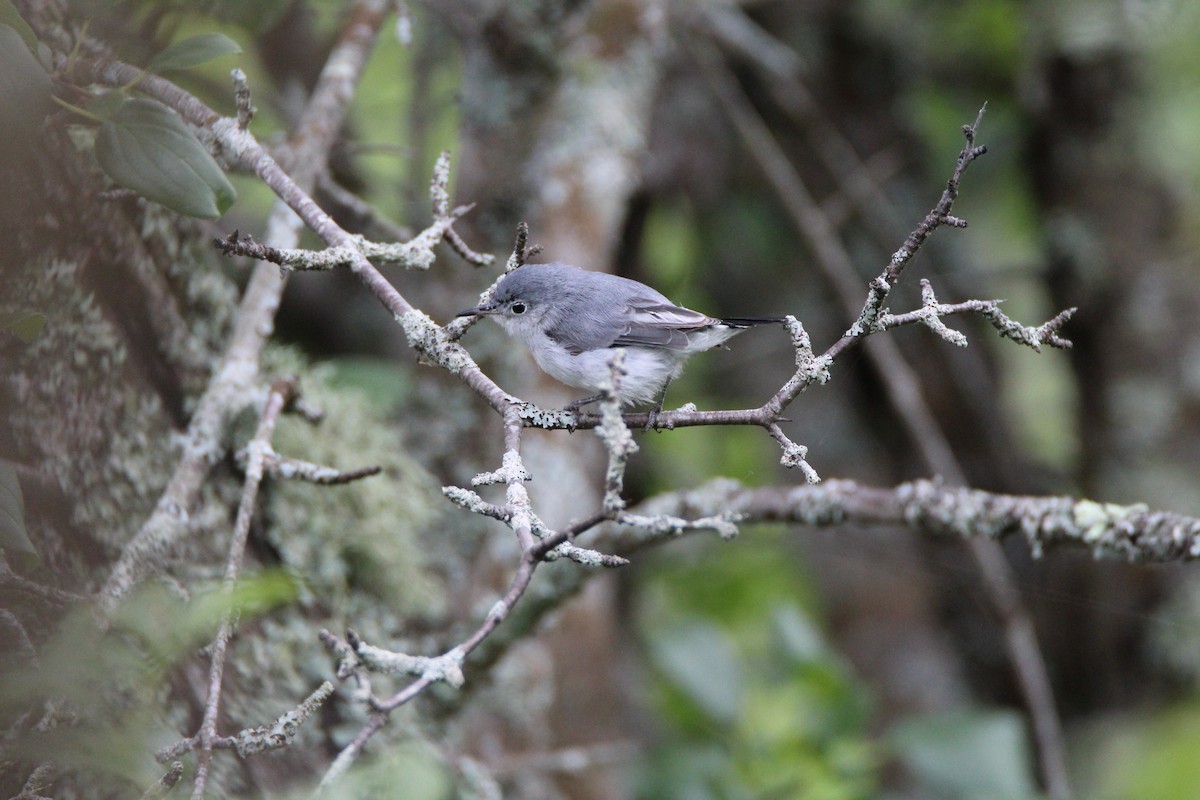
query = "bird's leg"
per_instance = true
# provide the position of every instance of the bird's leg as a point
(652, 417)
(575, 405)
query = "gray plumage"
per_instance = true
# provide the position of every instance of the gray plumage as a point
(572, 320)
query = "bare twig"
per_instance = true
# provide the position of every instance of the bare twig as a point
(458, 245)
(241, 97)
(279, 395)
(350, 752)
(417, 253)
(295, 469)
(366, 216)
(519, 253)
(50, 594)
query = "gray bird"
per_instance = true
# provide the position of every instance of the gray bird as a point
(573, 320)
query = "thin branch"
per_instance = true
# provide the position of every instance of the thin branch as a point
(940, 214)
(278, 466)
(432, 670)
(279, 395)
(416, 253)
(365, 215)
(350, 752)
(241, 98)
(464, 251)
(19, 637)
(163, 786)
(281, 732)
(50, 594)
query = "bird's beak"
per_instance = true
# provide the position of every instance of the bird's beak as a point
(478, 311)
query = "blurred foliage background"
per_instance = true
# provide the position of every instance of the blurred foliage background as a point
(831, 664)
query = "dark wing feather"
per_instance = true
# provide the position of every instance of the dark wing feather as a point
(750, 322)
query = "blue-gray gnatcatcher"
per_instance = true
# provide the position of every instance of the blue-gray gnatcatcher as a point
(573, 320)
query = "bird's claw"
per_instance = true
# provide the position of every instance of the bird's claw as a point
(573, 407)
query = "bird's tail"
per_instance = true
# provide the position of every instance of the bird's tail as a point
(750, 322)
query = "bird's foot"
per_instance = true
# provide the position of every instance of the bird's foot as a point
(652, 416)
(573, 407)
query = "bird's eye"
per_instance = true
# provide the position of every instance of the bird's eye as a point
(518, 307)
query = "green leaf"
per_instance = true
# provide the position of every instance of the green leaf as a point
(798, 635)
(14, 540)
(700, 659)
(145, 147)
(107, 104)
(193, 51)
(968, 754)
(24, 91)
(25, 325)
(170, 629)
(12, 18)
(1144, 754)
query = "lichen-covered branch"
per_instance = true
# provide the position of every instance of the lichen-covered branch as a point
(281, 732)
(1129, 533)
(163, 786)
(926, 507)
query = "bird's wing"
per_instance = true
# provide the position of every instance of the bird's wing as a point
(633, 315)
(651, 324)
